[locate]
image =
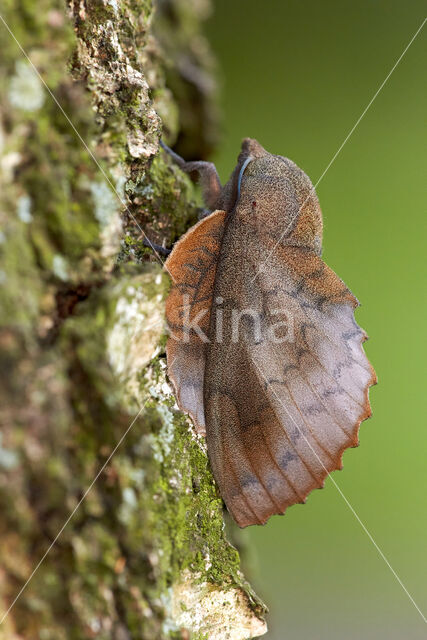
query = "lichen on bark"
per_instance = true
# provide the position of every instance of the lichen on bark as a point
(82, 330)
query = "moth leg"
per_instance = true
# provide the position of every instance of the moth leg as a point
(204, 213)
(156, 247)
(208, 175)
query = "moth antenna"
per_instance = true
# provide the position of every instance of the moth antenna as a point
(242, 171)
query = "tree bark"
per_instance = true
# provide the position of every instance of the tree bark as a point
(144, 554)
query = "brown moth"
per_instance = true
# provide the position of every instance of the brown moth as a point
(264, 352)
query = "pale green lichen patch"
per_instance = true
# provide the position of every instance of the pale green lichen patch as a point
(60, 267)
(23, 209)
(8, 458)
(162, 442)
(26, 91)
(123, 335)
(108, 200)
(105, 201)
(136, 327)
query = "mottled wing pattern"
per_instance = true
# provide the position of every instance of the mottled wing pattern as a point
(280, 414)
(192, 266)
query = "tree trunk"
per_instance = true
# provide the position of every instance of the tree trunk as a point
(84, 392)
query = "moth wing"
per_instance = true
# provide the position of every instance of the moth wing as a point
(192, 266)
(281, 413)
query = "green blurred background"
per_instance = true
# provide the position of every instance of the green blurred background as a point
(296, 76)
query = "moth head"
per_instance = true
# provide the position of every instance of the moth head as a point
(251, 148)
(273, 194)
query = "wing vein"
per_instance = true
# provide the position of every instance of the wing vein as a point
(307, 424)
(281, 471)
(334, 419)
(237, 479)
(286, 433)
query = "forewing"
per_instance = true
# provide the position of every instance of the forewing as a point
(192, 266)
(281, 410)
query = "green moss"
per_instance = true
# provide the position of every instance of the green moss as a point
(20, 287)
(196, 524)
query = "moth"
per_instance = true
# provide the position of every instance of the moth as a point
(264, 352)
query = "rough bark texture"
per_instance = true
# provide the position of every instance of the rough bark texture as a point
(81, 331)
